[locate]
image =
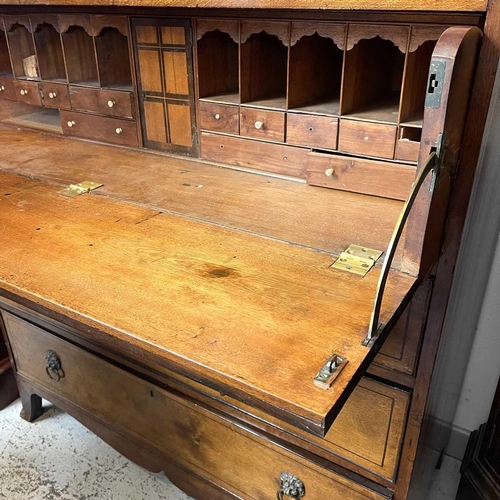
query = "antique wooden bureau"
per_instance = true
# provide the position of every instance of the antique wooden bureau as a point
(229, 229)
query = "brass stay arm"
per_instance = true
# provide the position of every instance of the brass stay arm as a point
(375, 327)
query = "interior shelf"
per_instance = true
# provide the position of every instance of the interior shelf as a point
(80, 57)
(218, 68)
(22, 51)
(113, 58)
(373, 80)
(264, 71)
(49, 53)
(5, 65)
(46, 119)
(318, 56)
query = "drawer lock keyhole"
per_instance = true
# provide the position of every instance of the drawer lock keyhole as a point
(290, 487)
(53, 368)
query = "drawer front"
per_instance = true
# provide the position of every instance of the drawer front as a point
(246, 153)
(371, 139)
(262, 124)
(84, 99)
(100, 128)
(114, 103)
(378, 178)
(192, 435)
(407, 150)
(7, 90)
(55, 95)
(313, 131)
(219, 118)
(28, 92)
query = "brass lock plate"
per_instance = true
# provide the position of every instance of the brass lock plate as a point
(81, 188)
(357, 259)
(329, 371)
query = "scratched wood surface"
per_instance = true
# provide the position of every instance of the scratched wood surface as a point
(320, 218)
(248, 313)
(402, 5)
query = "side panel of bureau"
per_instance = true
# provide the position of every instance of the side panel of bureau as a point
(234, 457)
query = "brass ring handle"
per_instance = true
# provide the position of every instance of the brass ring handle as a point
(290, 487)
(53, 368)
(430, 164)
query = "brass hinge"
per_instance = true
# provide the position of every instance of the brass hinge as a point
(357, 259)
(329, 371)
(80, 188)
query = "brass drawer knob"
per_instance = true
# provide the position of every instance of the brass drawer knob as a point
(52, 95)
(111, 104)
(290, 487)
(23, 92)
(258, 125)
(217, 116)
(2, 88)
(53, 368)
(71, 123)
(119, 130)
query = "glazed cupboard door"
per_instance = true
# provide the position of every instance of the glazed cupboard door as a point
(164, 65)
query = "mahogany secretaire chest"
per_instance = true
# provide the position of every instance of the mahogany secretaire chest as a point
(229, 228)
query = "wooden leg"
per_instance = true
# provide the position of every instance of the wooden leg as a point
(32, 404)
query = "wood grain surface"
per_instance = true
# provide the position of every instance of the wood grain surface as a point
(196, 297)
(403, 5)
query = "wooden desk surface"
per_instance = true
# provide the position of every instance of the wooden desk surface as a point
(252, 315)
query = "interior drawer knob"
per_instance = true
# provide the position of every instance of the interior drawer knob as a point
(119, 130)
(2, 88)
(217, 116)
(111, 104)
(329, 172)
(23, 92)
(290, 487)
(258, 125)
(71, 123)
(54, 369)
(52, 95)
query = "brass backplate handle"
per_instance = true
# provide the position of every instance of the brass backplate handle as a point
(53, 368)
(375, 328)
(290, 487)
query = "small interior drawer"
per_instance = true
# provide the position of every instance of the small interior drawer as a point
(7, 90)
(55, 95)
(84, 99)
(408, 144)
(219, 118)
(311, 130)
(378, 178)
(364, 138)
(190, 434)
(28, 92)
(99, 128)
(116, 103)
(262, 124)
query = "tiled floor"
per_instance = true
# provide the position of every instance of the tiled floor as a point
(56, 458)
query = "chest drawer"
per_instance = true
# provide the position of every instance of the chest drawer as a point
(219, 118)
(371, 139)
(100, 128)
(28, 92)
(7, 90)
(262, 124)
(55, 95)
(115, 103)
(311, 130)
(190, 434)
